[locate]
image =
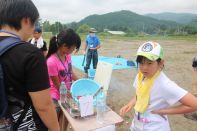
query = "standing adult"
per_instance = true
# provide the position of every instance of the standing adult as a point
(91, 47)
(25, 71)
(38, 41)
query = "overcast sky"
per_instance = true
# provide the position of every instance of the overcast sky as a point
(74, 10)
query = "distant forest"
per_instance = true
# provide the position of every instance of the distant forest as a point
(131, 23)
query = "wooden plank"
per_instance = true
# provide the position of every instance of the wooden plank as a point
(90, 123)
(103, 74)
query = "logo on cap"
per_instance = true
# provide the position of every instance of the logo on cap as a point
(147, 47)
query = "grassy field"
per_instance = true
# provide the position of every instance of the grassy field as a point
(147, 37)
(108, 37)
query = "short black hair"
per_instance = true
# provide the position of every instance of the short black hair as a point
(13, 11)
(69, 37)
(141, 58)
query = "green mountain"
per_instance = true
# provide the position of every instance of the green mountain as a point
(182, 18)
(128, 21)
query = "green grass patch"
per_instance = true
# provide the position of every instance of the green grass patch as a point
(103, 36)
(106, 36)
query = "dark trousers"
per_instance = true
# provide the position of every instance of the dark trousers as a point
(91, 55)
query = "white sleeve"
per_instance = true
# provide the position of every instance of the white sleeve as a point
(135, 83)
(172, 93)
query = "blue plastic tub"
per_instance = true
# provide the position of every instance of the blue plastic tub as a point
(84, 87)
(91, 73)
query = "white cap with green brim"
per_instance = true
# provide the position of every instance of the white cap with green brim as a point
(151, 50)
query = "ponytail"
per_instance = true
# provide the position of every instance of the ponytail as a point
(53, 46)
(67, 38)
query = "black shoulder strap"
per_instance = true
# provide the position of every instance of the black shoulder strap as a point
(8, 43)
(5, 45)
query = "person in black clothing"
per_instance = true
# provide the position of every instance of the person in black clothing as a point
(38, 41)
(25, 70)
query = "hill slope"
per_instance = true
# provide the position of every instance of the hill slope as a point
(127, 20)
(182, 18)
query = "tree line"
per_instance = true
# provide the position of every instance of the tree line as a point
(144, 28)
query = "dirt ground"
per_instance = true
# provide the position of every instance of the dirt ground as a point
(178, 56)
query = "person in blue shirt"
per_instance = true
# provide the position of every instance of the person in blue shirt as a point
(91, 47)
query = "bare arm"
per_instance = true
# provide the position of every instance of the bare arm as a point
(128, 106)
(74, 77)
(188, 104)
(44, 107)
(85, 48)
(56, 81)
(99, 46)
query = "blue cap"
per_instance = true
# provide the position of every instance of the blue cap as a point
(38, 29)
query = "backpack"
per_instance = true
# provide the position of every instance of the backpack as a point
(5, 45)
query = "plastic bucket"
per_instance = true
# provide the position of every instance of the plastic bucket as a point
(83, 87)
(91, 73)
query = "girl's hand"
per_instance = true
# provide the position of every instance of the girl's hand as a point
(128, 107)
(125, 109)
(68, 95)
(159, 112)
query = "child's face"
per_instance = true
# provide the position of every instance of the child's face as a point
(149, 68)
(65, 50)
(37, 35)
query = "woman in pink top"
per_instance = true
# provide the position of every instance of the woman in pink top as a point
(59, 62)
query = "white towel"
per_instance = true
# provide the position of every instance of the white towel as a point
(40, 42)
